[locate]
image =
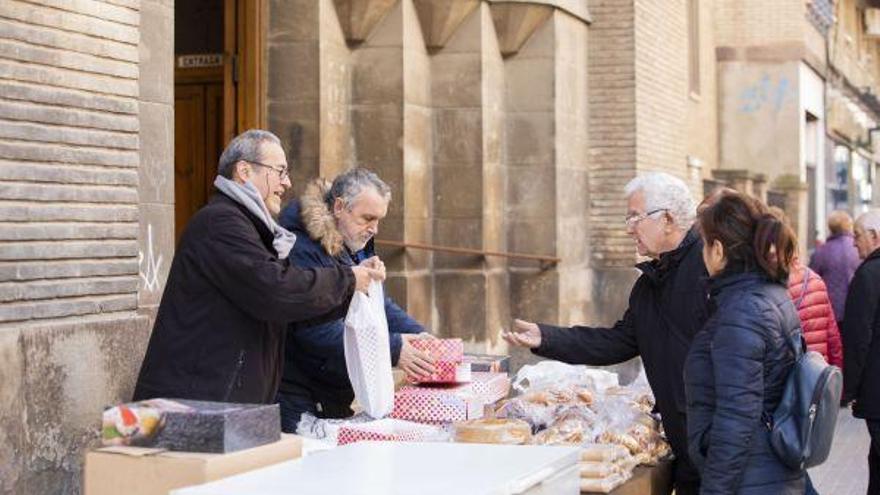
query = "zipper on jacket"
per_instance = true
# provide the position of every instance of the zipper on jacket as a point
(236, 375)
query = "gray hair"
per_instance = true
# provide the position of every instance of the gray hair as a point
(348, 185)
(870, 220)
(664, 191)
(244, 147)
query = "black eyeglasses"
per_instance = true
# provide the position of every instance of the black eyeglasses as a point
(283, 171)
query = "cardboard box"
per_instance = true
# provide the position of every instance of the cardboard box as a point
(648, 480)
(145, 471)
(488, 363)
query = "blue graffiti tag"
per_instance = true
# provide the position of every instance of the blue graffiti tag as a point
(764, 91)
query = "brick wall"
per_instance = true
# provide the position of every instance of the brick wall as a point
(68, 159)
(612, 122)
(86, 221)
(759, 22)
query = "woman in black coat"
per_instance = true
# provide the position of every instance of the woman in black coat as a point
(738, 364)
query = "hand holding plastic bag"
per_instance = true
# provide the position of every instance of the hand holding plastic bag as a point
(367, 352)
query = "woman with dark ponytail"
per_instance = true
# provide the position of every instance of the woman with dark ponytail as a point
(738, 364)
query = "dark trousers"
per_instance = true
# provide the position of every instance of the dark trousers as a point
(685, 477)
(295, 401)
(874, 457)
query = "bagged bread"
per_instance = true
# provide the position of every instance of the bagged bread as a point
(594, 469)
(493, 430)
(603, 485)
(603, 452)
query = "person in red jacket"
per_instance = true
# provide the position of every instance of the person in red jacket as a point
(814, 309)
(809, 294)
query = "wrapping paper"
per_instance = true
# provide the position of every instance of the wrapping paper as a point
(387, 430)
(437, 404)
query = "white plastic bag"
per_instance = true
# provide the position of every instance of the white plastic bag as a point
(367, 352)
(547, 374)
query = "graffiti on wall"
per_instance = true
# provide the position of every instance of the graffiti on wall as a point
(149, 264)
(764, 93)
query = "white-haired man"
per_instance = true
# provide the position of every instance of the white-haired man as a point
(667, 306)
(861, 342)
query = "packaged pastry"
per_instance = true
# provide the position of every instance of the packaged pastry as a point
(594, 469)
(493, 430)
(603, 485)
(597, 452)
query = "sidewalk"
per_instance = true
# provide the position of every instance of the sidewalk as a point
(846, 471)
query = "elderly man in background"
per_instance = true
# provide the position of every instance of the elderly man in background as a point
(861, 339)
(667, 307)
(335, 225)
(836, 261)
(219, 331)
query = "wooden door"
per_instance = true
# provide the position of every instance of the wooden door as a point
(216, 100)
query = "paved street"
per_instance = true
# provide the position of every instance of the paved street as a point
(846, 471)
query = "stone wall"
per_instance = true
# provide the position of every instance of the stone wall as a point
(85, 99)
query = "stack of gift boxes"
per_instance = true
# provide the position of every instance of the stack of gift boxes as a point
(460, 389)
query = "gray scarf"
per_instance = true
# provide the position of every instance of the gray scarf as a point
(248, 196)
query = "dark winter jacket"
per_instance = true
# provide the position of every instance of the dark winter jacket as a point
(817, 317)
(315, 356)
(734, 377)
(667, 307)
(861, 340)
(836, 262)
(219, 332)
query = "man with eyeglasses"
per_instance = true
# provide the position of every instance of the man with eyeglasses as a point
(667, 307)
(219, 332)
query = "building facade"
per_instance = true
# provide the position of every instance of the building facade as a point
(506, 129)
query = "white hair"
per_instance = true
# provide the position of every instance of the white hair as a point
(870, 220)
(664, 191)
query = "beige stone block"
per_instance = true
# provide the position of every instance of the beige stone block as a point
(295, 71)
(389, 31)
(377, 133)
(531, 139)
(419, 299)
(531, 237)
(573, 194)
(13, 434)
(534, 295)
(531, 193)
(156, 53)
(530, 85)
(458, 192)
(156, 170)
(377, 75)
(457, 136)
(574, 240)
(498, 307)
(460, 299)
(456, 79)
(459, 233)
(447, 24)
(517, 23)
(156, 242)
(419, 231)
(416, 77)
(296, 20)
(293, 124)
(358, 18)
(68, 384)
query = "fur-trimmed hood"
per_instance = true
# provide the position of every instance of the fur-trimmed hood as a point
(317, 219)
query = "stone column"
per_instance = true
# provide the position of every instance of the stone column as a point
(391, 134)
(548, 199)
(467, 96)
(309, 86)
